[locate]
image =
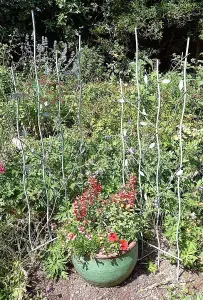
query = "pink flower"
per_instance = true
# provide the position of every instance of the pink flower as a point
(123, 245)
(81, 229)
(89, 236)
(113, 237)
(2, 169)
(71, 236)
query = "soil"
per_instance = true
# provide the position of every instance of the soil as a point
(140, 285)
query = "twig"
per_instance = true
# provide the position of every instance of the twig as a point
(100, 297)
(48, 242)
(155, 285)
(181, 156)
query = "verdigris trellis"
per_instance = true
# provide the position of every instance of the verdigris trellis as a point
(180, 171)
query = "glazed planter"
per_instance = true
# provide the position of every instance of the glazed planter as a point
(107, 270)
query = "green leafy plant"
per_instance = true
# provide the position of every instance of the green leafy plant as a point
(152, 267)
(55, 261)
(14, 284)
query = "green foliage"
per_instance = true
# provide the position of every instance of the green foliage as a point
(152, 267)
(185, 295)
(111, 26)
(5, 84)
(17, 17)
(92, 65)
(13, 286)
(106, 27)
(101, 155)
(55, 260)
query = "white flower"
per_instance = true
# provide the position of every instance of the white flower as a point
(19, 145)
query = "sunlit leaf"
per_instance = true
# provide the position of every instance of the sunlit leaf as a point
(179, 173)
(166, 81)
(180, 85)
(141, 173)
(143, 123)
(152, 145)
(145, 79)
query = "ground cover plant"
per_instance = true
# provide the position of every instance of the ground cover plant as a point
(59, 126)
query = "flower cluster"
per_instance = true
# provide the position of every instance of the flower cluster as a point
(2, 168)
(114, 238)
(88, 198)
(71, 236)
(100, 225)
(127, 195)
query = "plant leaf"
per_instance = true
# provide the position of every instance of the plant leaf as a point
(145, 79)
(143, 123)
(180, 85)
(166, 81)
(152, 145)
(141, 173)
(179, 173)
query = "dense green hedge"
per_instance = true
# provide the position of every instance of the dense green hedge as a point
(109, 25)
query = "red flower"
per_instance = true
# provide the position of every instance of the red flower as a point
(87, 199)
(2, 169)
(113, 237)
(123, 245)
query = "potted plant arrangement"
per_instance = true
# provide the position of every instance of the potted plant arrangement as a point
(102, 233)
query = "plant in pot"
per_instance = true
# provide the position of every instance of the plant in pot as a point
(102, 233)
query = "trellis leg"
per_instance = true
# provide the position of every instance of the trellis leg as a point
(138, 119)
(60, 125)
(80, 104)
(122, 133)
(138, 126)
(157, 202)
(39, 124)
(181, 156)
(23, 158)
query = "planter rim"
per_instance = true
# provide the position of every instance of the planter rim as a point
(114, 255)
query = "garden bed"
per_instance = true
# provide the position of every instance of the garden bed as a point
(140, 285)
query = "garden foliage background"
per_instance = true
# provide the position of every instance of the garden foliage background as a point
(61, 121)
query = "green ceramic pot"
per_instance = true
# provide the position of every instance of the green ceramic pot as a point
(106, 271)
